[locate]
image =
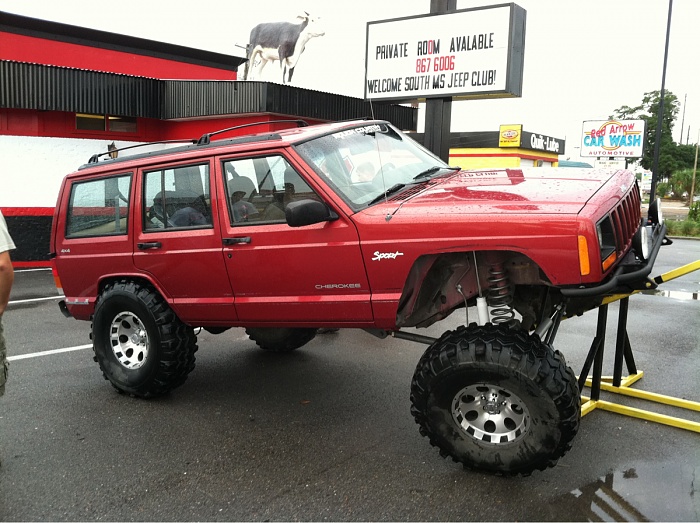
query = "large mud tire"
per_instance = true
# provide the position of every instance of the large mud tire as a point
(142, 347)
(282, 339)
(496, 399)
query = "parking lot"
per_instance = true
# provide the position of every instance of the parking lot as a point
(325, 432)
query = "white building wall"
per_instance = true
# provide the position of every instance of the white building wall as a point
(32, 168)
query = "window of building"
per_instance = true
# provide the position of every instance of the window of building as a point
(101, 122)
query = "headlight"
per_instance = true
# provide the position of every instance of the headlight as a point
(640, 242)
(655, 215)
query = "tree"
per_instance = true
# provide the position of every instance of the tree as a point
(682, 181)
(672, 157)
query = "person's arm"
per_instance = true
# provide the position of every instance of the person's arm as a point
(7, 276)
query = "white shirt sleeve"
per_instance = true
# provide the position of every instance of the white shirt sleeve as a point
(6, 243)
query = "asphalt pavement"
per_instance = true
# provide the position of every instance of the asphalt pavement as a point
(325, 433)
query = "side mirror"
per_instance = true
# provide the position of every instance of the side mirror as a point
(308, 212)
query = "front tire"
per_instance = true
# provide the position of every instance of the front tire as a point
(140, 344)
(281, 339)
(496, 399)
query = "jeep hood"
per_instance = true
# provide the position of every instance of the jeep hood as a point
(504, 191)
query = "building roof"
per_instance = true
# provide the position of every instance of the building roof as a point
(56, 31)
(49, 88)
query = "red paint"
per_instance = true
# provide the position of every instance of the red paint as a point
(27, 211)
(30, 49)
(26, 122)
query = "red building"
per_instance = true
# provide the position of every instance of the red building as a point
(67, 92)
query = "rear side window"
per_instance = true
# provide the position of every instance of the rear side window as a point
(177, 197)
(99, 207)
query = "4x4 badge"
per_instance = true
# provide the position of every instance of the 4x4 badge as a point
(386, 255)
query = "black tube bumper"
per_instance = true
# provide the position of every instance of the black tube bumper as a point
(629, 276)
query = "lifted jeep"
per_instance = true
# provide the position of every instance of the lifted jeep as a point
(354, 225)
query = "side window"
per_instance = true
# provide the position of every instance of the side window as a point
(259, 189)
(177, 197)
(99, 207)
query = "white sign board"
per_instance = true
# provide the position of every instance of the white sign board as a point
(619, 138)
(469, 53)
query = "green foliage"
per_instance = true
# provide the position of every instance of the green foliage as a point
(681, 182)
(689, 228)
(661, 189)
(694, 211)
(672, 157)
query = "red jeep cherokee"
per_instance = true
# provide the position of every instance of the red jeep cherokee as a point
(374, 232)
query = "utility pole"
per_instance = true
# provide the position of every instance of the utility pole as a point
(695, 167)
(660, 117)
(685, 99)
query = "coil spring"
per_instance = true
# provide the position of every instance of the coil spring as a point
(500, 296)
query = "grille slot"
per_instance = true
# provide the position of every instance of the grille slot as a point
(626, 218)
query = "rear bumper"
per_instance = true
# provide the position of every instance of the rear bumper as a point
(630, 275)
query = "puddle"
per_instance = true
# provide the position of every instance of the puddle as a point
(644, 492)
(678, 295)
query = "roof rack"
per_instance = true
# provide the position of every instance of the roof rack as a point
(206, 138)
(96, 157)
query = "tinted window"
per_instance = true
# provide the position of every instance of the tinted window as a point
(99, 207)
(177, 197)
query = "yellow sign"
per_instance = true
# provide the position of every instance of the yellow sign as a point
(509, 135)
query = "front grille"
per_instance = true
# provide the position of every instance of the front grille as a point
(626, 217)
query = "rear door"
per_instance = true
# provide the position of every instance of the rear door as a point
(92, 224)
(178, 241)
(306, 275)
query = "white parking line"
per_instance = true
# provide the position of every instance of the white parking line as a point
(48, 352)
(36, 299)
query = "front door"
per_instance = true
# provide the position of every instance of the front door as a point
(308, 275)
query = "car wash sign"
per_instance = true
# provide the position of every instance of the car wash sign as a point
(621, 138)
(470, 53)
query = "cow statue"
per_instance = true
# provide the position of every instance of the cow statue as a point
(281, 41)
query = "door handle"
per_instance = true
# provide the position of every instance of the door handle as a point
(149, 245)
(233, 241)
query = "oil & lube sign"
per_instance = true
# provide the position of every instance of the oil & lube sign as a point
(621, 138)
(469, 53)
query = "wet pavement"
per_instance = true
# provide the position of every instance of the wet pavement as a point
(325, 433)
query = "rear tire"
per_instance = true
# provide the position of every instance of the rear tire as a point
(140, 344)
(282, 339)
(496, 399)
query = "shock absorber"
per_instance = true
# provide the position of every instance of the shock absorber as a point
(500, 294)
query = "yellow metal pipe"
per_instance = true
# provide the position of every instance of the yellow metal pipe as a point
(649, 416)
(649, 396)
(680, 271)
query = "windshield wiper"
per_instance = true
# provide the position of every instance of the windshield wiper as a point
(434, 170)
(391, 190)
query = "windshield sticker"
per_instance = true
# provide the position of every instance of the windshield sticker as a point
(367, 129)
(386, 255)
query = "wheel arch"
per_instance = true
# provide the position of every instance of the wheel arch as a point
(140, 279)
(439, 283)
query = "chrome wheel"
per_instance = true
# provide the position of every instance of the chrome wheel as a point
(490, 414)
(129, 340)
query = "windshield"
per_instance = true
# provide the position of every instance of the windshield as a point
(364, 163)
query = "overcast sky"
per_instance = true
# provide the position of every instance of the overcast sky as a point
(583, 59)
